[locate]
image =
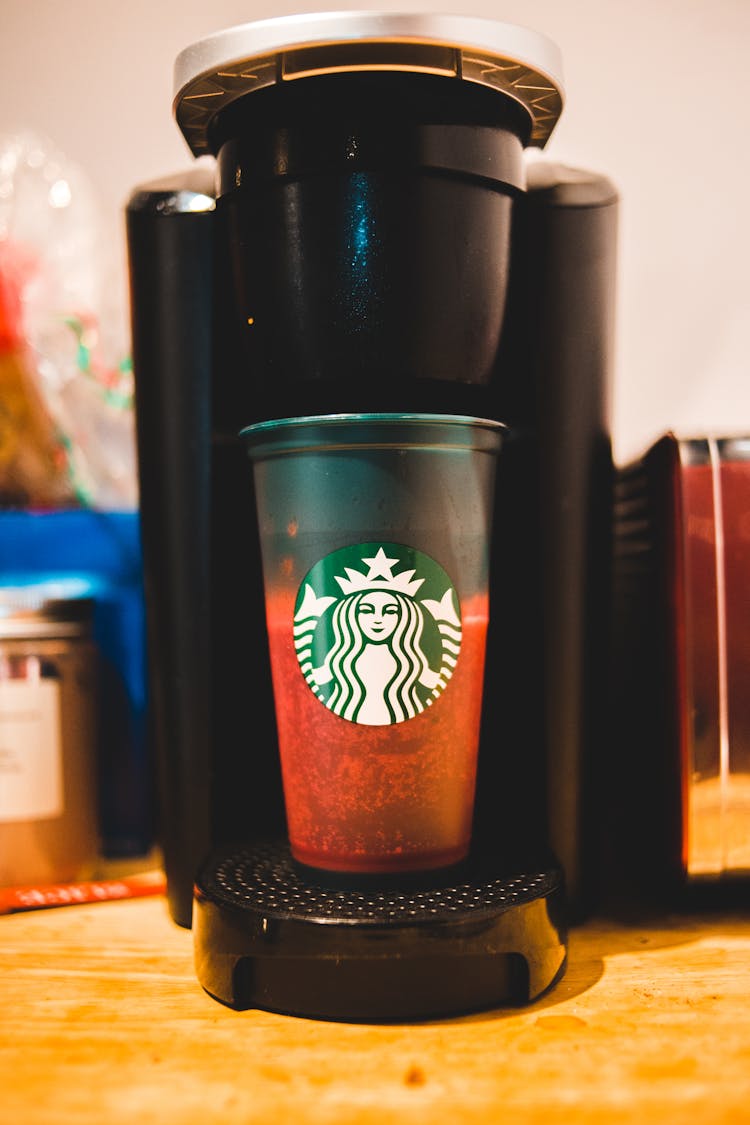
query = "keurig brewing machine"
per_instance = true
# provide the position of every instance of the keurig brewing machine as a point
(371, 342)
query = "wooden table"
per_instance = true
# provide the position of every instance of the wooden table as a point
(104, 1022)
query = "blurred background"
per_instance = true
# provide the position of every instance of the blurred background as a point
(655, 98)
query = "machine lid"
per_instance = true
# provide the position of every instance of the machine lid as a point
(520, 63)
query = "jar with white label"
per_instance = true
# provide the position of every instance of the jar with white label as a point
(49, 829)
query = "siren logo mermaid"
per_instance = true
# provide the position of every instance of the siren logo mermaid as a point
(377, 631)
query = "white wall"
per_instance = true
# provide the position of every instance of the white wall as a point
(658, 93)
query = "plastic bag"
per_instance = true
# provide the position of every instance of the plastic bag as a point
(71, 343)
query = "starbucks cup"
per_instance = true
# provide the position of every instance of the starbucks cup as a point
(375, 535)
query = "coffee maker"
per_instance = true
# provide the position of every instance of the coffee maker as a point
(367, 230)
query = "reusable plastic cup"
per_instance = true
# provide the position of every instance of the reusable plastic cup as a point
(375, 533)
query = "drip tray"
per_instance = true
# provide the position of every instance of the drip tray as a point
(267, 937)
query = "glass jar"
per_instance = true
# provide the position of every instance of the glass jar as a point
(49, 829)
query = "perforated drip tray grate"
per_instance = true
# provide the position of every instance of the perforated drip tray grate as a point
(268, 935)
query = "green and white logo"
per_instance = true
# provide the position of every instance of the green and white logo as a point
(377, 630)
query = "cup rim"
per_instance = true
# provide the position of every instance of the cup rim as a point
(272, 425)
(338, 432)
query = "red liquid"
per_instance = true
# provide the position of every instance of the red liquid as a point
(378, 798)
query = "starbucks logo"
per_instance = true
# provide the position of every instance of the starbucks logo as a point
(377, 631)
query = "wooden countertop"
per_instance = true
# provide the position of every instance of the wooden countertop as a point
(104, 1022)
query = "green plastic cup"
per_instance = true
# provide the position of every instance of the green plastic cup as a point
(375, 534)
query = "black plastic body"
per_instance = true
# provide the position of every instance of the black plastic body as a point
(552, 384)
(542, 367)
(172, 295)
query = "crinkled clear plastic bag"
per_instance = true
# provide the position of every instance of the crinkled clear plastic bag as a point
(75, 344)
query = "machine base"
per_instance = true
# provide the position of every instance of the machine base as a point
(264, 937)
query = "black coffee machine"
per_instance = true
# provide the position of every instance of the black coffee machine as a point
(369, 233)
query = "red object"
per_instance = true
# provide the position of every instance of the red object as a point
(711, 557)
(375, 799)
(15, 899)
(682, 661)
(10, 314)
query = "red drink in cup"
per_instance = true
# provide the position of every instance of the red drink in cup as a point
(382, 798)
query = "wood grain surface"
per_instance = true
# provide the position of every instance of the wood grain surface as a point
(104, 1022)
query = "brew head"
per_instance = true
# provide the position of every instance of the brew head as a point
(366, 167)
